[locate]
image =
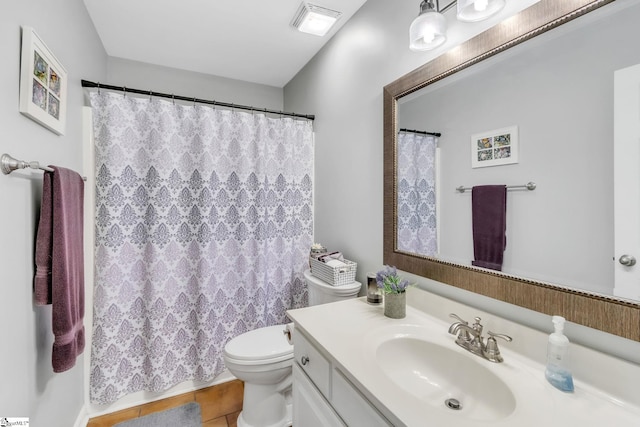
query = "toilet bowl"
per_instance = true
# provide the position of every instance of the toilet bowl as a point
(263, 359)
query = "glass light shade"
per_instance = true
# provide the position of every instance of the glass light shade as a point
(427, 31)
(477, 10)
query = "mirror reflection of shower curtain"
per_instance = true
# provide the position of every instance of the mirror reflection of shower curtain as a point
(417, 213)
(203, 226)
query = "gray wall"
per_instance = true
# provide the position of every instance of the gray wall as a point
(29, 386)
(562, 102)
(140, 75)
(342, 85)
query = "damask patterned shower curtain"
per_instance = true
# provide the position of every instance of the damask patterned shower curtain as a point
(417, 222)
(203, 227)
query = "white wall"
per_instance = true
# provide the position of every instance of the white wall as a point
(342, 86)
(29, 386)
(140, 75)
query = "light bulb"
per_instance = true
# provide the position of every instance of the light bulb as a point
(477, 10)
(480, 5)
(429, 37)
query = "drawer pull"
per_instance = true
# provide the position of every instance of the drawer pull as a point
(304, 360)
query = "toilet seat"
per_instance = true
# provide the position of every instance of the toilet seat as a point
(259, 346)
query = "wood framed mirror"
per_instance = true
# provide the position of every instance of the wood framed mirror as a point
(606, 313)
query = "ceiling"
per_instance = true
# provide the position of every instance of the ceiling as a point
(249, 40)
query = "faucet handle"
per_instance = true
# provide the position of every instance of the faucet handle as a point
(491, 351)
(507, 338)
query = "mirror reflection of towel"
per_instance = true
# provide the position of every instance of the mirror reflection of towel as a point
(489, 214)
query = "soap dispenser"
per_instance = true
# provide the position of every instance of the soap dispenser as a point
(558, 373)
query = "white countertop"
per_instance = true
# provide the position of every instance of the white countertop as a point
(346, 330)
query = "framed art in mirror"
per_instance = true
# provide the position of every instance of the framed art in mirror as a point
(494, 148)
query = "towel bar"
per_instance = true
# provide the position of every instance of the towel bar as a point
(8, 164)
(529, 186)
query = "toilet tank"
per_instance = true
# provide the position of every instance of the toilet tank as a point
(320, 292)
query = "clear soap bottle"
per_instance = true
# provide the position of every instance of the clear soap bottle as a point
(558, 372)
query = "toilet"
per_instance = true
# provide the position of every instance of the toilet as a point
(263, 359)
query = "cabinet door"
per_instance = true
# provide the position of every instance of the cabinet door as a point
(310, 409)
(312, 362)
(352, 407)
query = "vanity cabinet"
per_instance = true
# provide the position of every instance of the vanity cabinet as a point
(323, 396)
(310, 408)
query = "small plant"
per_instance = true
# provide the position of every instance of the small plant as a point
(390, 282)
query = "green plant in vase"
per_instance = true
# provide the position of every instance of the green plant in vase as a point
(394, 288)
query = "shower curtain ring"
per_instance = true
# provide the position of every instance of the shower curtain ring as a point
(98, 88)
(194, 101)
(173, 99)
(124, 91)
(150, 94)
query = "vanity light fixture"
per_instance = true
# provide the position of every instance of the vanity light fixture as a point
(316, 20)
(429, 29)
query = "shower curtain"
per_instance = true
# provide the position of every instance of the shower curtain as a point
(203, 226)
(417, 222)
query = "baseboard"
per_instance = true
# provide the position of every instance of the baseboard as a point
(83, 418)
(143, 397)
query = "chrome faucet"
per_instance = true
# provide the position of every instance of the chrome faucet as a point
(463, 335)
(470, 338)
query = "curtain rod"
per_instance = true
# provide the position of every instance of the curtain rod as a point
(88, 84)
(438, 134)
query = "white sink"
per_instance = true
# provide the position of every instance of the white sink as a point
(444, 378)
(423, 367)
(407, 368)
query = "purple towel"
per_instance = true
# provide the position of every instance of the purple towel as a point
(59, 278)
(489, 212)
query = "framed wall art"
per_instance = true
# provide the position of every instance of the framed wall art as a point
(43, 84)
(495, 147)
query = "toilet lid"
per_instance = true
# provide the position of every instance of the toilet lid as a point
(262, 343)
(348, 289)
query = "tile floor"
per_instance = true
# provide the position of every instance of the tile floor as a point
(219, 406)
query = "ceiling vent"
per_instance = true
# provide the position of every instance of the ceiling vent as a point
(315, 20)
